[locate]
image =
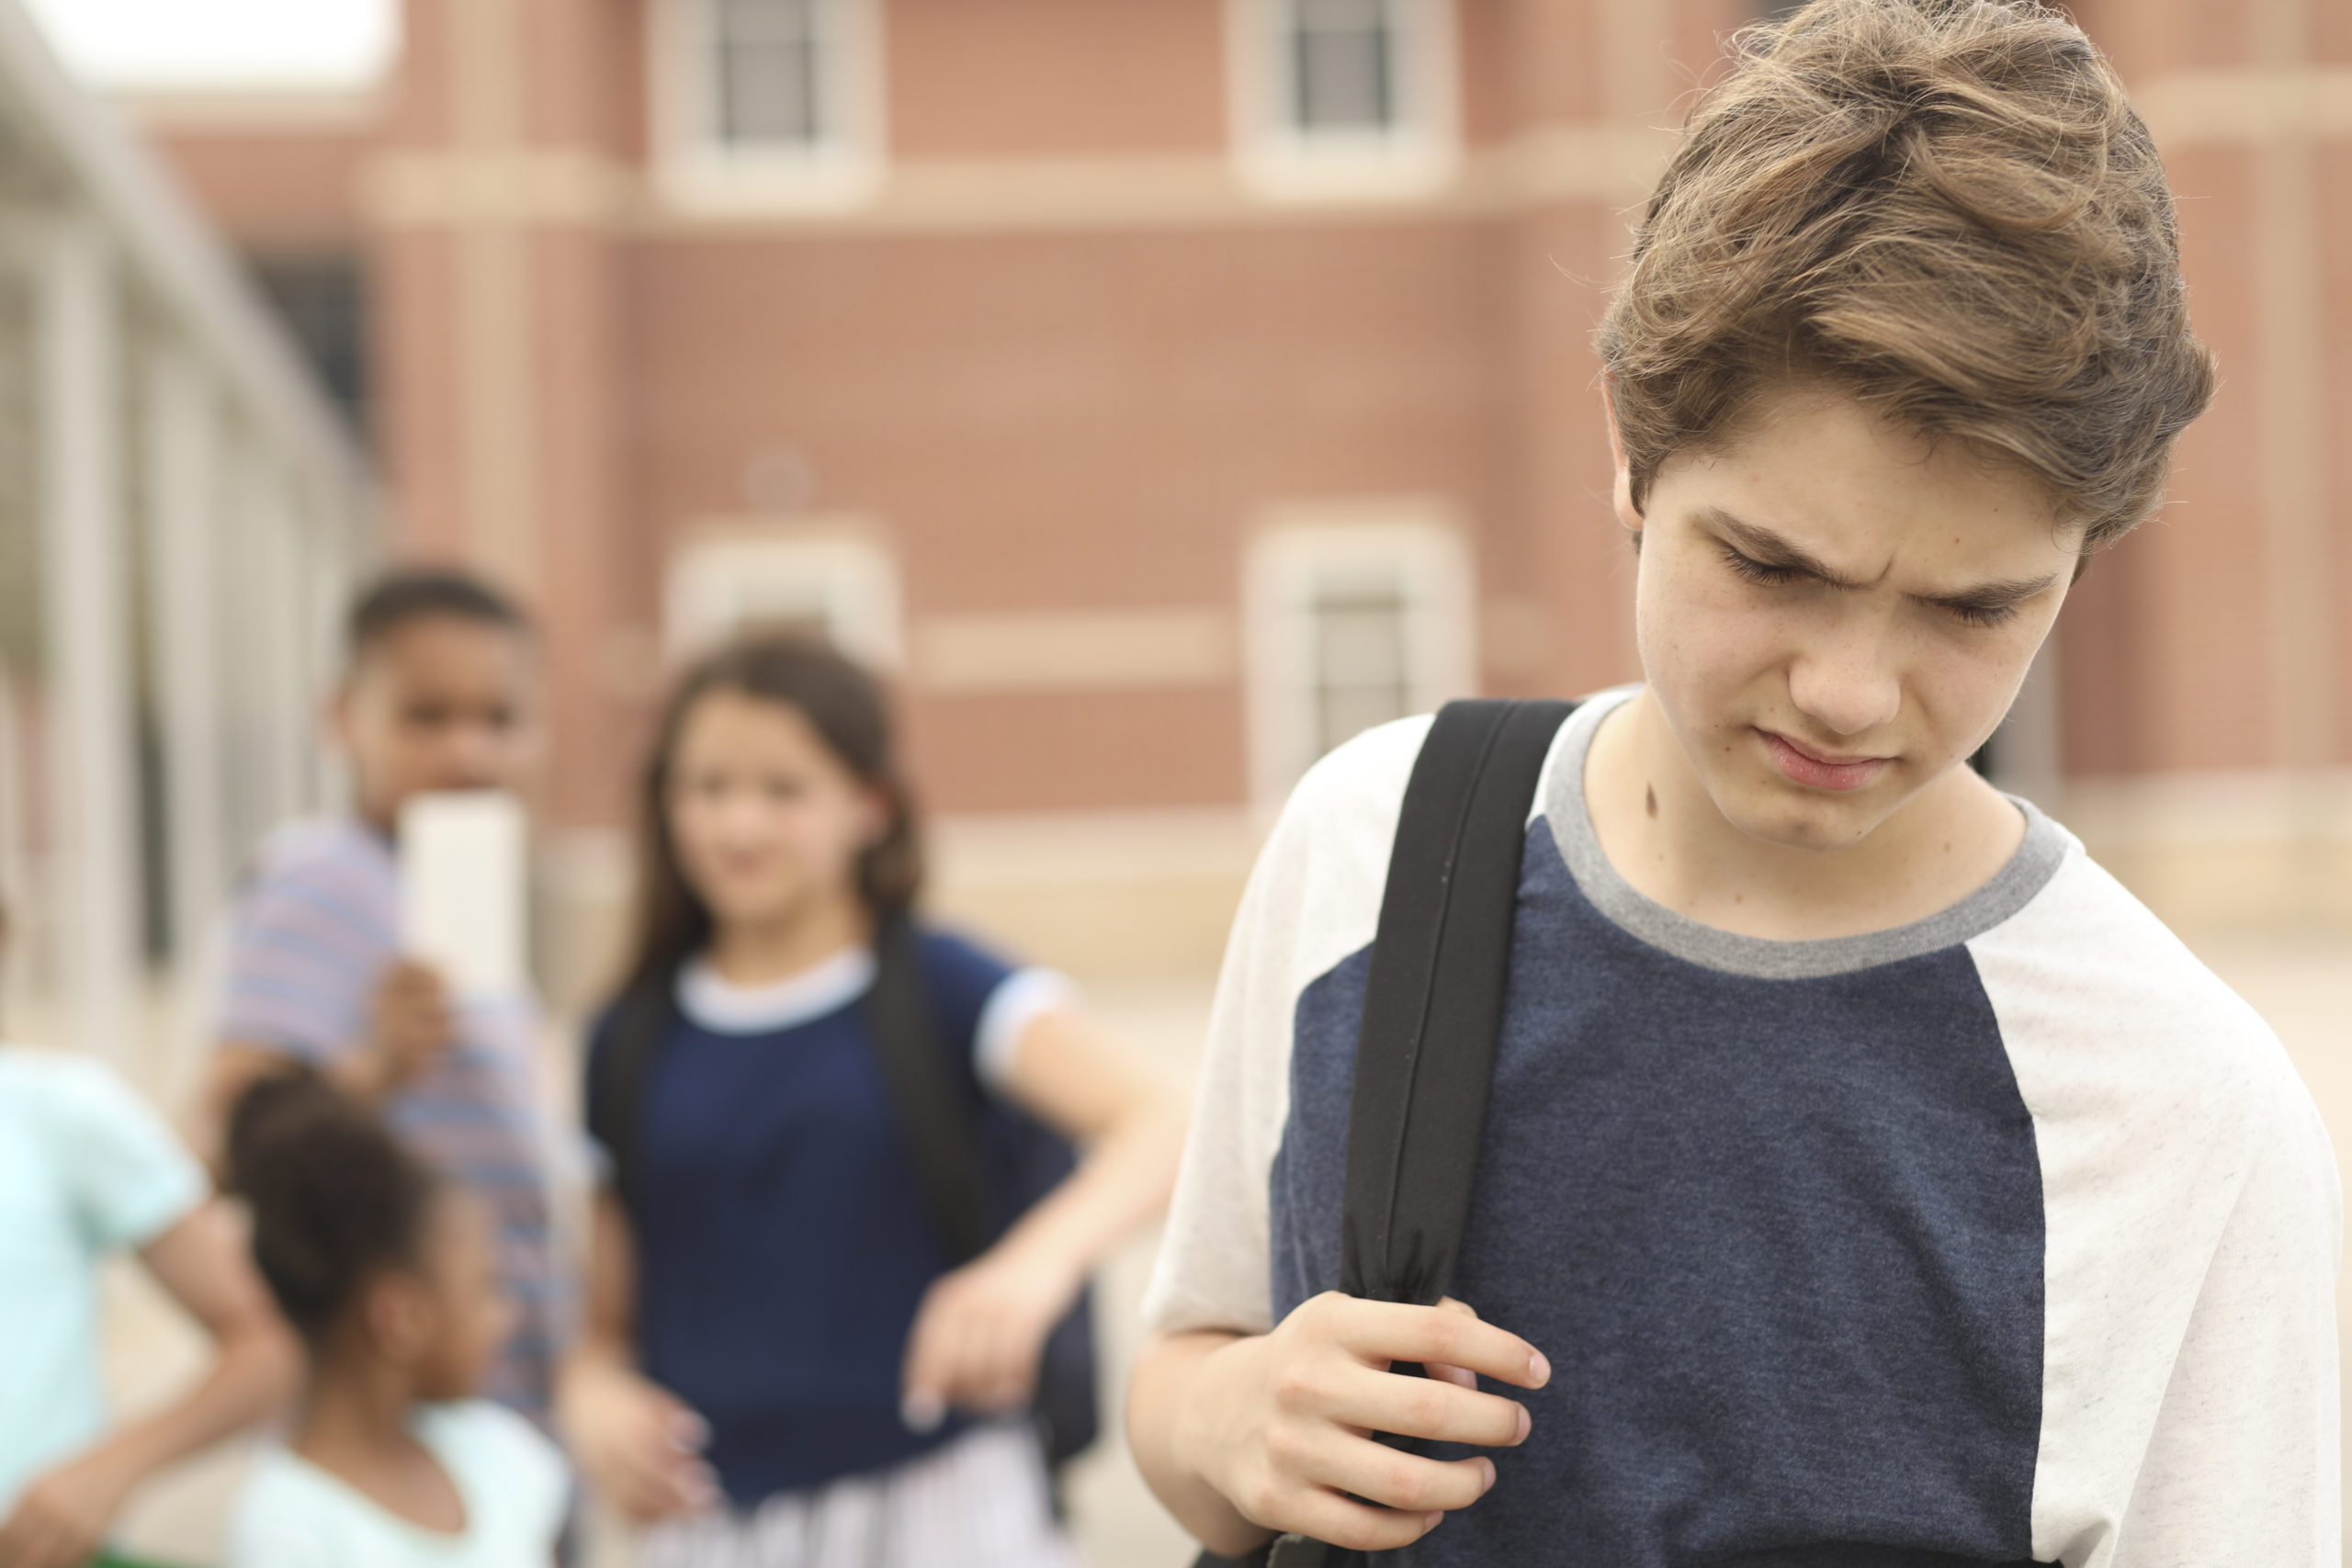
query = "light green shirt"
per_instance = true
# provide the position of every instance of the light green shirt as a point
(85, 1169)
(514, 1483)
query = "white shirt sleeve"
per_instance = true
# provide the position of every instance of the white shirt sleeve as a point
(1313, 898)
(130, 1178)
(1018, 1001)
(2243, 1463)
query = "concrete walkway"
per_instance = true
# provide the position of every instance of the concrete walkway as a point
(2302, 985)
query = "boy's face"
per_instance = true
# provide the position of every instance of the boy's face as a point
(1832, 612)
(442, 702)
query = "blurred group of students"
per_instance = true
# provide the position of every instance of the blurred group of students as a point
(764, 1351)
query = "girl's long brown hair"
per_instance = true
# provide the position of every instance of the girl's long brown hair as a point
(844, 705)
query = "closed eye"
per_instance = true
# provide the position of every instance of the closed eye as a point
(1970, 614)
(1754, 570)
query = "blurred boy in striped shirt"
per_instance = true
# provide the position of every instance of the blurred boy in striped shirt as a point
(437, 695)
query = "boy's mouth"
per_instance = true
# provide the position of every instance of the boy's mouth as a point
(1814, 770)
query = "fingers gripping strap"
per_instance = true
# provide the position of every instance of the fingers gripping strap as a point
(1432, 1002)
(1425, 1046)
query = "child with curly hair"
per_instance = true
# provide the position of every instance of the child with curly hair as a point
(389, 1273)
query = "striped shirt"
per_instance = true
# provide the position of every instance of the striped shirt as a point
(315, 927)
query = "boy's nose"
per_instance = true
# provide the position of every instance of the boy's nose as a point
(470, 756)
(1847, 686)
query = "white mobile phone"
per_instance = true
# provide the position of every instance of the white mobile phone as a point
(462, 897)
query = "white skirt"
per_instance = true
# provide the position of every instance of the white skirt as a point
(979, 1502)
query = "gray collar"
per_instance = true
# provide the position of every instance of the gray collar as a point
(2010, 889)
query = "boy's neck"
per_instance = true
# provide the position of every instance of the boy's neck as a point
(355, 1426)
(1934, 851)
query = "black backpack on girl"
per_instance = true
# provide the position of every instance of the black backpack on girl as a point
(1432, 1002)
(977, 1174)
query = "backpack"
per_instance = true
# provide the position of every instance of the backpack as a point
(976, 1174)
(1440, 960)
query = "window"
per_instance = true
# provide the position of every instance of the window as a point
(768, 67)
(767, 101)
(1355, 617)
(827, 583)
(1359, 670)
(1342, 66)
(322, 302)
(1343, 97)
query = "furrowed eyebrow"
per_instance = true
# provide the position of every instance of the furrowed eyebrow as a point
(1989, 596)
(1767, 549)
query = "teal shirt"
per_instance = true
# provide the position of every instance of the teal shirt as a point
(85, 1170)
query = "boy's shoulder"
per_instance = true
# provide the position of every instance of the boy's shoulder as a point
(2100, 1004)
(317, 848)
(1325, 864)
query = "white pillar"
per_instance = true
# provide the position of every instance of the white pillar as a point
(85, 593)
(183, 494)
(280, 566)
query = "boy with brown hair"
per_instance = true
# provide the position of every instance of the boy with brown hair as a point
(1867, 1177)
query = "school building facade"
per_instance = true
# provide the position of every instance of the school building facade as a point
(1163, 391)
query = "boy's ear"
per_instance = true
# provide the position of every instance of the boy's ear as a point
(1621, 488)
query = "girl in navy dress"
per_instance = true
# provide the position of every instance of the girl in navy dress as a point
(783, 1364)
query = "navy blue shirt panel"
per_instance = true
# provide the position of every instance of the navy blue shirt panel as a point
(783, 1244)
(1782, 1241)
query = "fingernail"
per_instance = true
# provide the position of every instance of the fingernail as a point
(1490, 1486)
(1526, 1423)
(1539, 1371)
(921, 1412)
(1430, 1522)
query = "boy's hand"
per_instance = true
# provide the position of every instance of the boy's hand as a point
(62, 1518)
(1279, 1424)
(409, 1023)
(638, 1443)
(978, 1335)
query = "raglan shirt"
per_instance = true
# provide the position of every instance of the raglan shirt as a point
(2007, 1237)
(314, 927)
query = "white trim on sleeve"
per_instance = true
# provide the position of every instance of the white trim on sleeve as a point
(1018, 1001)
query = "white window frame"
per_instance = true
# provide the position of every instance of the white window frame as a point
(1298, 549)
(1415, 157)
(721, 579)
(698, 169)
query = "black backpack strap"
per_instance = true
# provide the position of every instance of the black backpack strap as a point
(641, 1023)
(1432, 1005)
(1425, 1046)
(938, 1126)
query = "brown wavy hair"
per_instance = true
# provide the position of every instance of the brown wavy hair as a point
(1944, 207)
(845, 704)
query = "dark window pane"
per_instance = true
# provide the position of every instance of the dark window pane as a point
(1361, 674)
(770, 63)
(1343, 58)
(324, 304)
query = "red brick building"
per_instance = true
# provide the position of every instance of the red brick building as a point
(1166, 388)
